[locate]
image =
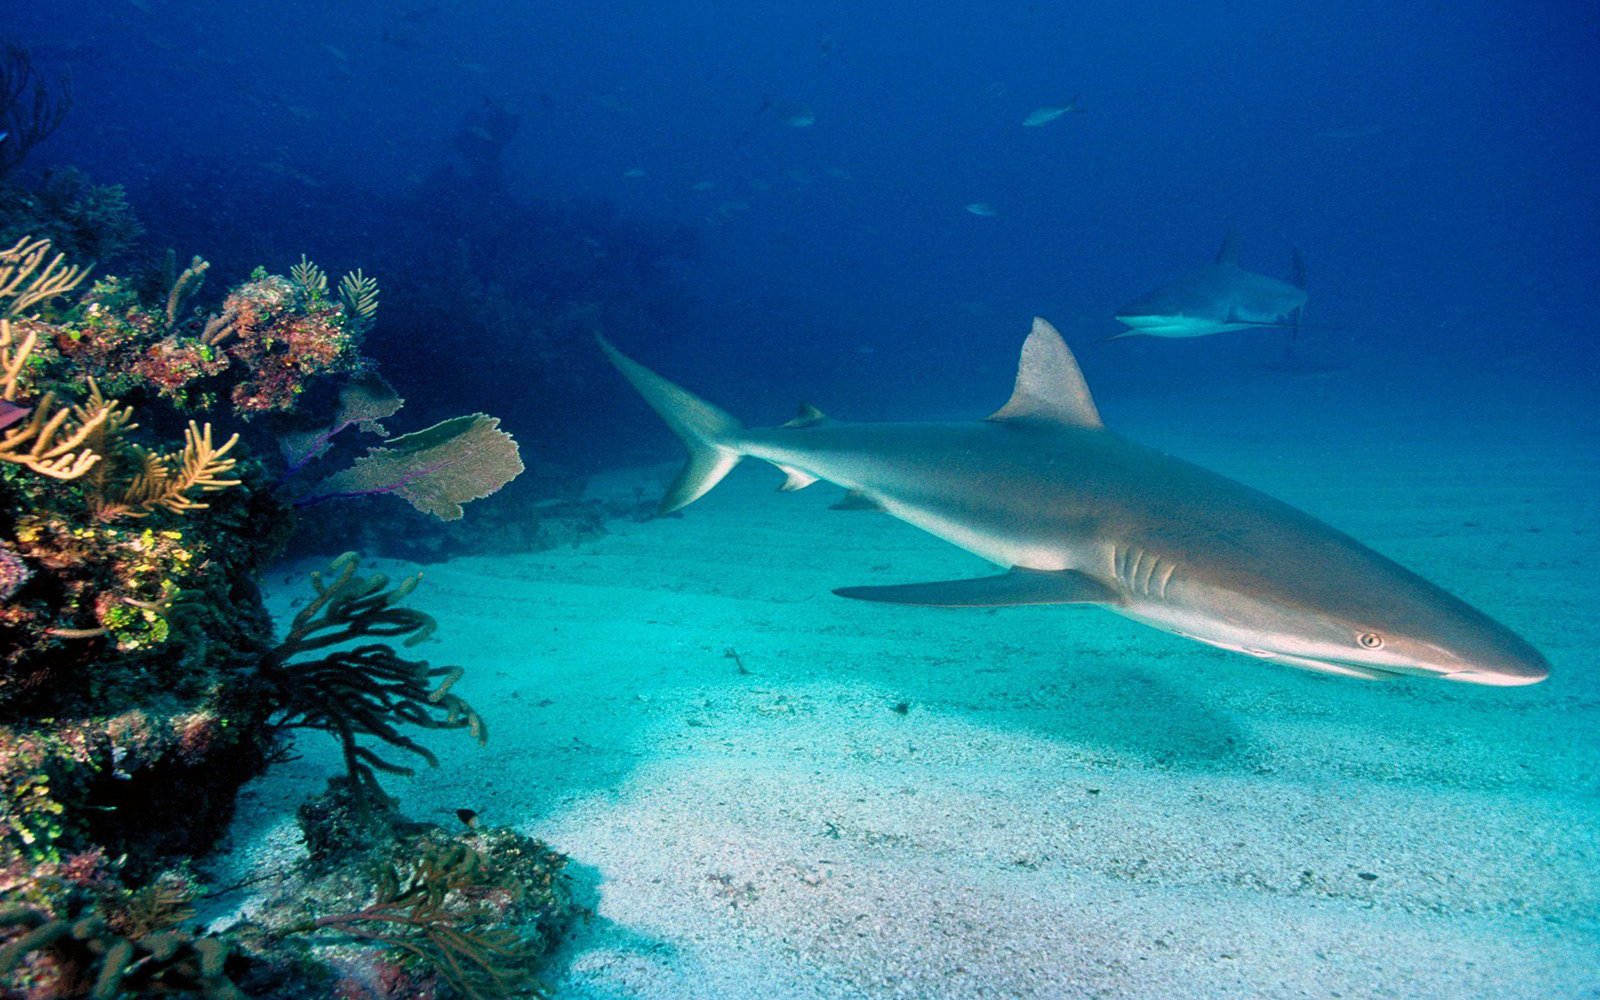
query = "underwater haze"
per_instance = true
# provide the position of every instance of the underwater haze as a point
(768, 790)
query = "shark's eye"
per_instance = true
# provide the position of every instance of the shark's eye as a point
(1370, 640)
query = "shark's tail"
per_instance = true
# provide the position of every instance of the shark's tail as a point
(710, 434)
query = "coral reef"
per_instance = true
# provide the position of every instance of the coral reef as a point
(140, 684)
(269, 343)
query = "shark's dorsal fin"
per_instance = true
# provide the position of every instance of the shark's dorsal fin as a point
(1229, 254)
(1297, 269)
(1050, 387)
(809, 416)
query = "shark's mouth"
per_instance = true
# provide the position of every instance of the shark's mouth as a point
(1341, 668)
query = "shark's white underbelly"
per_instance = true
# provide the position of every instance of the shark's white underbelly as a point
(1000, 548)
(1187, 326)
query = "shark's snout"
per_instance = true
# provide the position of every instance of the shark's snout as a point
(1479, 651)
(1515, 669)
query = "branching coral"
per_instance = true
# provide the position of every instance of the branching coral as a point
(367, 691)
(184, 287)
(52, 440)
(24, 283)
(442, 910)
(45, 438)
(312, 279)
(47, 445)
(359, 294)
(84, 956)
(30, 107)
(165, 481)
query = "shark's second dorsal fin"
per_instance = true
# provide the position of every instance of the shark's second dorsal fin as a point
(1229, 253)
(809, 416)
(1050, 387)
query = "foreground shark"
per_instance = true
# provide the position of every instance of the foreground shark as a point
(1079, 515)
(1216, 299)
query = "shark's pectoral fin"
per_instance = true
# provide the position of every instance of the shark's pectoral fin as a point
(1017, 587)
(795, 479)
(856, 500)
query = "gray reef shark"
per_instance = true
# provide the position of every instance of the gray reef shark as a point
(1219, 297)
(1079, 515)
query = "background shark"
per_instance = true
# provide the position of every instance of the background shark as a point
(1080, 515)
(1219, 297)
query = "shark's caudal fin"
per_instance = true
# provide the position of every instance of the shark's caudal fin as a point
(710, 434)
(1050, 387)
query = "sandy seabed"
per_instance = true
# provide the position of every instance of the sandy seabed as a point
(768, 791)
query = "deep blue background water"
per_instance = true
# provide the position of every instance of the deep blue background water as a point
(1435, 161)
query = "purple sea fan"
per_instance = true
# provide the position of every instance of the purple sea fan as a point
(13, 572)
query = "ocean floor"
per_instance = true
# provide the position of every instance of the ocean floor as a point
(770, 791)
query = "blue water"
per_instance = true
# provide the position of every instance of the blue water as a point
(769, 202)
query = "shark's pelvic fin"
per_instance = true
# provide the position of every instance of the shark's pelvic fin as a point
(1050, 386)
(856, 500)
(795, 479)
(1229, 253)
(710, 434)
(1017, 587)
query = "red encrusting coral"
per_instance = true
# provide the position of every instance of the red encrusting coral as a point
(283, 334)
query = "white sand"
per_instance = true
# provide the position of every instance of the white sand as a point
(1072, 805)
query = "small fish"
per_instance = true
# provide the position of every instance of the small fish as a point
(704, 186)
(634, 173)
(336, 52)
(468, 817)
(4, 136)
(1050, 112)
(10, 413)
(983, 209)
(792, 115)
